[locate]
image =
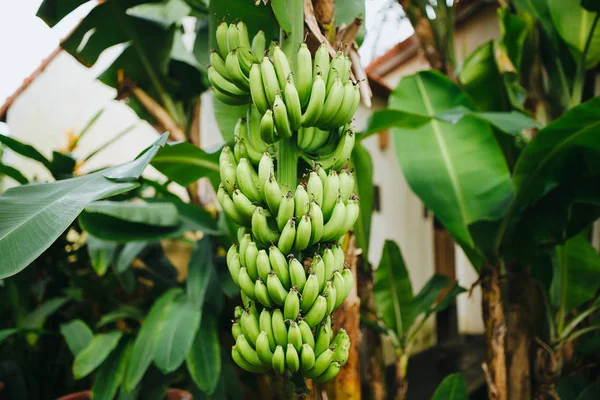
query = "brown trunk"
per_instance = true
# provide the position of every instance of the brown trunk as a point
(346, 385)
(520, 317)
(495, 332)
(373, 368)
(401, 382)
(325, 13)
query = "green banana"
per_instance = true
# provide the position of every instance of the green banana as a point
(282, 67)
(305, 74)
(346, 184)
(280, 116)
(340, 288)
(279, 330)
(291, 359)
(321, 62)
(273, 195)
(322, 174)
(236, 330)
(261, 228)
(315, 104)
(305, 136)
(244, 242)
(288, 235)
(249, 324)
(222, 84)
(301, 201)
(339, 118)
(318, 141)
(246, 351)
(234, 268)
(330, 193)
(318, 266)
(231, 210)
(321, 363)
(234, 70)
(303, 232)
(233, 249)
(245, 59)
(244, 39)
(336, 69)
(239, 149)
(353, 106)
(346, 70)
(233, 39)
(307, 357)
(295, 336)
(257, 91)
(269, 78)
(246, 283)
(330, 295)
(265, 169)
(348, 281)
(286, 210)
(259, 45)
(232, 100)
(227, 169)
(291, 307)
(330, 264)
(276, 290)
(352, 210)
(243, 204)
(262, 293)
(237, 313)
(267, 128)
(242, 363)
(264, 323)
(292, 103)
(330, 372)
(241, 232)
(317, 312)
(335, 96)
(247, 180)
(279, 265)
(339, 255)
(263, 266)
(323, 338)
(263, 349)
(297, 274)
(221, 35)
(315, 187)
(279, 360)
(307, 336)
(219, 64)
(333, 228)
(310, 292)
(316, 221)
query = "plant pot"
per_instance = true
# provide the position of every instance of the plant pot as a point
(172, 394)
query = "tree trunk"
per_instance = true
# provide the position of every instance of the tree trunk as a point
(401, 382)
(495, 332)
(520, 316)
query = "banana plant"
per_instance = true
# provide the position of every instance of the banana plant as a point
(401, 313)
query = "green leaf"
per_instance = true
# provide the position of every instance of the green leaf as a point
(453, 387)
(570, 387)
(574, 24)
(185, 163)
(52, 11)
(101, 254)
(513, 33)
(123, 312)
(25, 150)
(392, 291)
(156, 213)
(199, 271)
(6, 333)
(94, 354)
(281, 13)
(33, 216)
(363, 170)
(165, 14)
(227, 116)
(110, 228)
(111, 373)
(582, 264)
(591, 5)
(204, 358)
(37, 318)
(445, 302)
(77, 335)
(13, 173)
(345, 15)
(196, 218)
(544, 162)
(175, 334)
(129, 252)
(592, 392)
(423, 301)
(458, 170)
(142, 352)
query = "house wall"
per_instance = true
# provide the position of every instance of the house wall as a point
(476, 30)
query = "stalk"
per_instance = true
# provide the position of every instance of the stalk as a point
(288, 153)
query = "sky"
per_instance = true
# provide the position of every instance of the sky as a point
(26, 40)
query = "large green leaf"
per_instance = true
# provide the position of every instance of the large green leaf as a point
(26, 150)
(142, 352)
(123, 312)
(513, 33)
(363, 170)
(52, 11)
(458, 170)
(185, 163)
(6, 333)
(101, 253)
(155, 213)
(175, 334)
(33, 216)
(111, 373)
(37, 318)
(392, 291)
(94, 354)
(574, 24)
(581, 264)
(13, 173)
(128, 253)
(165, 13)
(199, 272)
(77, 335)
(204, 358)
(453, 387)
(345, 14)
(282, 14)
(545, 162)
(427, 296)
(227, 116)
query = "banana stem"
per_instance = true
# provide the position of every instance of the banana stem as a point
(287, 156)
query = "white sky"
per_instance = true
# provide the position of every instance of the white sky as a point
(26, 40)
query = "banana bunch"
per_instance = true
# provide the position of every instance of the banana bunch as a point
(270, 341)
